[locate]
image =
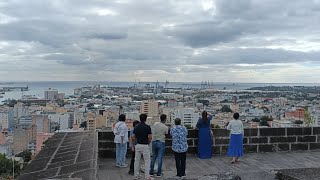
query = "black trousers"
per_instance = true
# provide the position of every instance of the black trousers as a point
(133, 155)
(180, 163)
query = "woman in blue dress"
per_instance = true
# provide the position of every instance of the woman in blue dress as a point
(204, 137)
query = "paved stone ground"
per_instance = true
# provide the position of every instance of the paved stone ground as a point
(261, 166)
(65, 155)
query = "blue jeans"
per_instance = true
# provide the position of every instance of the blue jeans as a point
(121, 151)
(158, 149)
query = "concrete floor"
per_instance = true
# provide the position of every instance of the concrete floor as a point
(253, 166)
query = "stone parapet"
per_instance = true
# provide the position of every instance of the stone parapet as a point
(256, 140)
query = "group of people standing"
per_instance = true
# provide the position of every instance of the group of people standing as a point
(142, 135)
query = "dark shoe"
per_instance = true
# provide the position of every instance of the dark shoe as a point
(131, 173)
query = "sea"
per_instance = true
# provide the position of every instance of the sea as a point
(37, 88)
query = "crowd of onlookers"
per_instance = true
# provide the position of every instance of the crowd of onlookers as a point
(141, 136)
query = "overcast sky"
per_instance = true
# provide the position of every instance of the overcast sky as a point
(150, 40)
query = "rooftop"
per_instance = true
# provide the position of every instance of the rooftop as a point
(290, 153)
(65, 155)
(253, 166)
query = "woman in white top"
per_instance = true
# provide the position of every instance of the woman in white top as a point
(236, 138)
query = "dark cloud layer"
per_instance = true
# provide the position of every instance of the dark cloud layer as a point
(152, 40)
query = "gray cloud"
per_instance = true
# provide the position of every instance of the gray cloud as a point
(157, 39)
(109, 36)
(254, 56)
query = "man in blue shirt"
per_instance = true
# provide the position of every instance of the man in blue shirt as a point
(179, 135)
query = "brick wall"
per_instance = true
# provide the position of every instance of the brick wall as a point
(255, 140)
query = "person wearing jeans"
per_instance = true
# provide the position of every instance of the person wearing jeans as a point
(158, 144)
(179, 135)
(143, 136)
(121, 139)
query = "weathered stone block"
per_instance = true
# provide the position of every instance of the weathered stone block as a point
(282, 139)
(316, 130)
(272, 131)
(105, 135)
(193, 150)
(259, 140)
(250, 148)
(220, 133)
(245, 140)
(219, 141)
(251, 132)
(107, 153)
(216, 150)
(266, 148)
(190, 142)
(168, 142)
(106, 144)
(168, 151)
(314, 146)
(307, 139)
(224, 149)
(283, 147)
(192, 133)
(299, 131)
(297, 147)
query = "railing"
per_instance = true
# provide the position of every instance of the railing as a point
(255, 140)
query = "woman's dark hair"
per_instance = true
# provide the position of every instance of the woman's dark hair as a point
(205, 116)
(135, 123)
(163, 118)
(236, 115)
(143, 117)
(122, 117)
(177, 121)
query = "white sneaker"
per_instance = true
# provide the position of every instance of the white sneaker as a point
(137, 177)
(123, 166)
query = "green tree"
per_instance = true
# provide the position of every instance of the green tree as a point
(255, 120)
(6, 166)
(188, 126)
(264, 123)
(225, 108)
(26, 155)
(83, 124)
(204, 102)
(308, 119)
(99, 97)
(266, 118)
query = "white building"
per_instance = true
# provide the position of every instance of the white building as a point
(6, 118)
(188, 116)
(32, 145)
(283, 123)
(20, 110)
(132, 115)
(51, 94)
(25, 122)
(61, 119)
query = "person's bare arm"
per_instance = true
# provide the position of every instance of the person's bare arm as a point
(150, 138)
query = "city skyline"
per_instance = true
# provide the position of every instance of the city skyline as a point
(247, 41)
